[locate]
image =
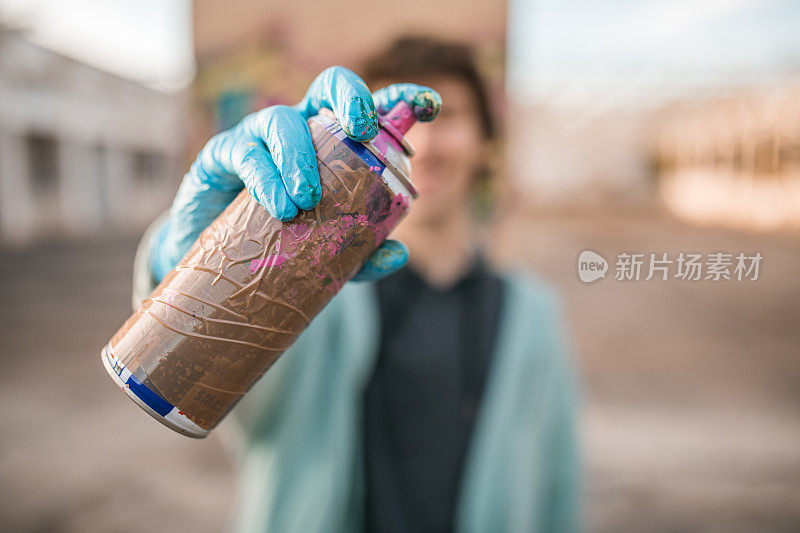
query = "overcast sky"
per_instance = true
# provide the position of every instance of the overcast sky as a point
(643, 46)
(147, 40)
(556, 47)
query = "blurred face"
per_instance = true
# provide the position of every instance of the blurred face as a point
(449, 152)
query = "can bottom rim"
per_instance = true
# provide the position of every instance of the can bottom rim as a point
(174, 419)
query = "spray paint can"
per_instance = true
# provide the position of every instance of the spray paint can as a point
(251, 284)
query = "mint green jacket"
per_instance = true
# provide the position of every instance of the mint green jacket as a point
(301, 459)
(302, 467)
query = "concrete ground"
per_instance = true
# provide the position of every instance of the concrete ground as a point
(691, 389)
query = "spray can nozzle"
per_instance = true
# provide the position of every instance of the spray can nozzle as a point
(399, 119)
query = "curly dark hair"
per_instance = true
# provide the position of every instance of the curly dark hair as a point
(413, 57)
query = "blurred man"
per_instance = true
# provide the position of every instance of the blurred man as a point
(439, 398)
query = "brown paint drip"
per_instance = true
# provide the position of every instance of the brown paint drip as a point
(251, 284)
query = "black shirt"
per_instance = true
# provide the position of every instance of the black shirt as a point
(421, 401)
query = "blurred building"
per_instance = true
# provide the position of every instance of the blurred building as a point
(577, 153)
(254, 53)
(82, 152)
(735, 158)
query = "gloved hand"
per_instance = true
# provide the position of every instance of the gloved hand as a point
(270, 152)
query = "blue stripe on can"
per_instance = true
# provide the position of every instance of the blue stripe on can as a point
(372, 161)
(153, 400)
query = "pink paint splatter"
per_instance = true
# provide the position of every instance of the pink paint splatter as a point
(296, 232)
(391, 217)
(381, 143)
(268, 261)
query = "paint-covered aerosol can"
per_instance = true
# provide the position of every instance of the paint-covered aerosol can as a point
(251, 284)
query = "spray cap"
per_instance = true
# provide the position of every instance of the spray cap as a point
(398, 120)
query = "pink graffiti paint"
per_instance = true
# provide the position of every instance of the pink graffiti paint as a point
(269, 261)
(251, 284)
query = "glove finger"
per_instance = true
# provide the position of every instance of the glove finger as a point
(344, 93)
(390, 257)
(425, 100)
(255, 167)
(214, 166)
(288, 139)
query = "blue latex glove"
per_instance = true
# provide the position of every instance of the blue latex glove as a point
(271, 154)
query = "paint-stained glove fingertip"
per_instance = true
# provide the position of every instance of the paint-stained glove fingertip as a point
(390, 257)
